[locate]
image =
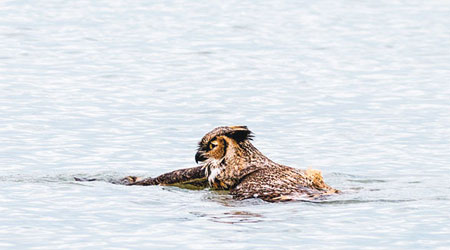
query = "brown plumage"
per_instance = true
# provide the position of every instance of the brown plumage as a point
(191, 176)
(231, 162)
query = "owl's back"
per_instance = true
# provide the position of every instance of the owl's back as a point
(282, 183)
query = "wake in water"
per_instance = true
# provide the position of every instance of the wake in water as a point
(355, 189)
(187, 176)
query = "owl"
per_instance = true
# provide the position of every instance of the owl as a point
(229, 161)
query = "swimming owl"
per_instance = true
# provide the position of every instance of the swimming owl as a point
(231, 162)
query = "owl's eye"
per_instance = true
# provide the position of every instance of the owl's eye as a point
(212, 145)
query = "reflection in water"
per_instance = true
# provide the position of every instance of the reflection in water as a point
(238, 217)
(233, 217)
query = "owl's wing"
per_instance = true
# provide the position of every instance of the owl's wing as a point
(188, 176)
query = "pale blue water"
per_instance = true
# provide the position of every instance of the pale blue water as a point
(357, 89)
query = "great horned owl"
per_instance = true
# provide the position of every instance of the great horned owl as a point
(231, 162)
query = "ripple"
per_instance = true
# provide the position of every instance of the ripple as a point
(368, 181)
(346, 202)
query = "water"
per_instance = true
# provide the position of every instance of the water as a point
(105, 89)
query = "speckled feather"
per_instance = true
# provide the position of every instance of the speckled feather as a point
(194, 176)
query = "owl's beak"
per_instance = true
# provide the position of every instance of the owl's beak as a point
(199, 156)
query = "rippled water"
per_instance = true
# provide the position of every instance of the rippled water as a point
(104, 89)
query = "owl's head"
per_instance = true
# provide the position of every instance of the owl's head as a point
(222, 141)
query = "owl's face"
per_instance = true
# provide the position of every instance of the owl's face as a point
(216, 144)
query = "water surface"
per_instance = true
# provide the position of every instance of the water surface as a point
(104, 89)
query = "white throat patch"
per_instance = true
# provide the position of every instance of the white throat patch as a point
(212, 169)
(212, 176)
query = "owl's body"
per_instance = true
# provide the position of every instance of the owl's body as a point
(231, 162)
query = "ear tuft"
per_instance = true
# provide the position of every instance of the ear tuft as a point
(240, 133)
